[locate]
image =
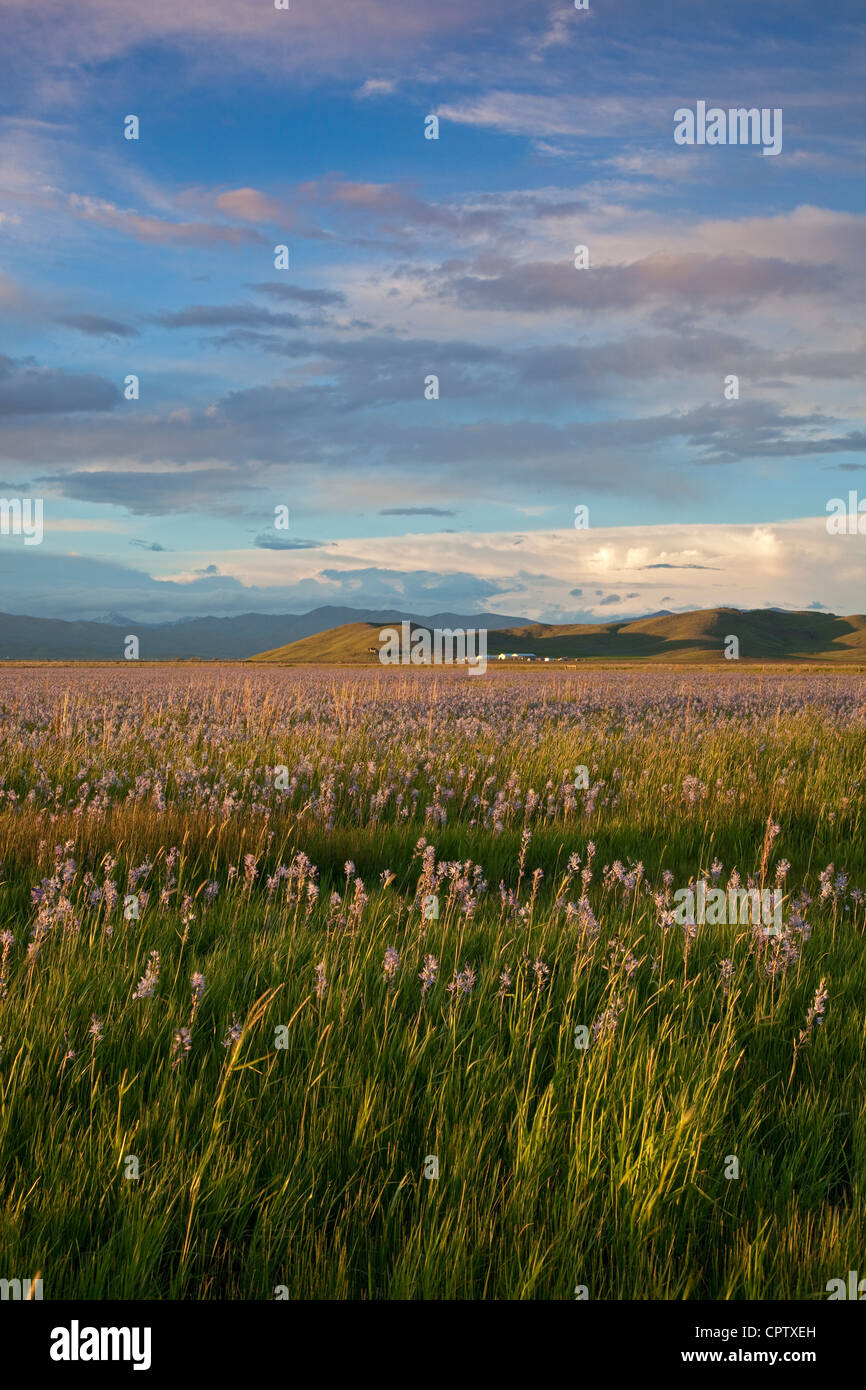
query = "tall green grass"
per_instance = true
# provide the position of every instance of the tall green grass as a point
(303, 1167)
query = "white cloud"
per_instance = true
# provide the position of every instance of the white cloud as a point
(785, 564)
(376, 87)
(522, 113)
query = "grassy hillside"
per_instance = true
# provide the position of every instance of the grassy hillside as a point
(347, 645)
(764, 635)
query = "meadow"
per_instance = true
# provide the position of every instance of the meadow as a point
(277, 947)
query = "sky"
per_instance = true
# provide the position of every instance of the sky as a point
(302, 393)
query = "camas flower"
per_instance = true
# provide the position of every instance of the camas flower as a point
(464, 982)
(542, 972)
(234, 1032)
(181, 1045)
(428, 974)
(149, 980)
(605, 1025)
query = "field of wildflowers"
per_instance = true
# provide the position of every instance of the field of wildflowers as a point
(331, 984)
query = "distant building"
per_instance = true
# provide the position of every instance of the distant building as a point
(517, 656)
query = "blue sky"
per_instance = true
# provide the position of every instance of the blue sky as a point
(304, 387)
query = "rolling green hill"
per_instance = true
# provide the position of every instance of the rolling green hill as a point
(344, 645)
(764, 635)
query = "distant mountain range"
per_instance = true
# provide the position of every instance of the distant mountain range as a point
(344, 636)
(203, 639)
(765, 634)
